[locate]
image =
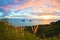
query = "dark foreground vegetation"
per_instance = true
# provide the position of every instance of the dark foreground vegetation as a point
(44, 32)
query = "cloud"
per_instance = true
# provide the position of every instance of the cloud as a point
(0, 14)
(44, 5)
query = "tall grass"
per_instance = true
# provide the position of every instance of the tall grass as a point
(8, 32)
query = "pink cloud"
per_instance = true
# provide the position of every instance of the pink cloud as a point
(35, 3)
(16, 1)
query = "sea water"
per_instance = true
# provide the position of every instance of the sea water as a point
(27, 22)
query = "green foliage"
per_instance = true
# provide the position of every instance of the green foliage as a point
(53, 29)
(8, 32)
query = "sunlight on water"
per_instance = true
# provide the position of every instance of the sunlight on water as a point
(28, 22)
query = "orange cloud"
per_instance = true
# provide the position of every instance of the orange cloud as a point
(36, 3)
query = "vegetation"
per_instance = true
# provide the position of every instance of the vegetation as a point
(9, 32)
(53, 29)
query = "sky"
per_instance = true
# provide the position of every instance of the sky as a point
(30, 8)
(22, 4)
(51, 7)
(37, 6)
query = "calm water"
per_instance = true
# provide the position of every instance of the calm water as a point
(26, 22)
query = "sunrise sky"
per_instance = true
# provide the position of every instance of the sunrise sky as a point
(22, 4)
(43, 9)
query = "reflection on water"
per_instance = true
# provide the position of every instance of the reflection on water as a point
(28, 22)
(24, 22)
